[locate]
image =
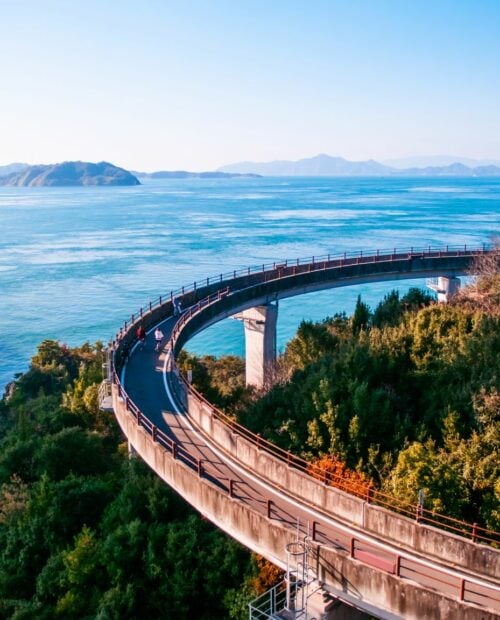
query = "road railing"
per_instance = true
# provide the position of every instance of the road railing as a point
(373, 496)
(372, 554)
(281, 268)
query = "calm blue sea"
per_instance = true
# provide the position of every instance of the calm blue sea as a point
(75, 262)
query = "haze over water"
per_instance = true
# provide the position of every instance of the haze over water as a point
(76, 262)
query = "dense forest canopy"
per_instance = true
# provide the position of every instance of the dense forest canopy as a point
(87, 533)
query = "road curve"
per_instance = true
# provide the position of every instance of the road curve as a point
(153, 393)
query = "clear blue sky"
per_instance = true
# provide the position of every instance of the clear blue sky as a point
(161, 84)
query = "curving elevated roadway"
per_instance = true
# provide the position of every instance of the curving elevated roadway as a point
(392, 564)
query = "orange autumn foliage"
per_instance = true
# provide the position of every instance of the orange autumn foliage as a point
(268, 577)
(335, 473)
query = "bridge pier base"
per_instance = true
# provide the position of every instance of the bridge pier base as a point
(260, 342)
(445, 287)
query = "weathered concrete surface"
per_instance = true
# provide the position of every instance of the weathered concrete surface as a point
(353, 510)
(260, 342)
(253, 528)
(352, 580)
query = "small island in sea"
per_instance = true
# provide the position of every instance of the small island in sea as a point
(184, 174)
(69, 173)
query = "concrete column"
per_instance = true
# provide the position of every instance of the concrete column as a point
(447, 287)
(260, 342)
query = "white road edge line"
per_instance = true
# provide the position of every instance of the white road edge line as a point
(307, 509)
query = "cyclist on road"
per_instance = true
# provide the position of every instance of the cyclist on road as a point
(158, 338)
(141, 335)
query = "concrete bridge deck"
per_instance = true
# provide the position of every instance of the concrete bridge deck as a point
(383, 563)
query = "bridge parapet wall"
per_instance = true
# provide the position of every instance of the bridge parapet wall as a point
(266, 288)
(343, 575)
(275, 283)
(352, 510)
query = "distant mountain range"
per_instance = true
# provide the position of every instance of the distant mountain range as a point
(426, 161)
(104, 173)
(325, 165)
(69, 173)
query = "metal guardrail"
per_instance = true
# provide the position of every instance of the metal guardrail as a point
(397, 565)
(314, 263)
(267, 605)
(400, 566)
(371, 495)
(175, 448)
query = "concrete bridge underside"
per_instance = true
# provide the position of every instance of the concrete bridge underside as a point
(383, 563)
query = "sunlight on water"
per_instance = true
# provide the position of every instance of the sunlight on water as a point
(76, 262)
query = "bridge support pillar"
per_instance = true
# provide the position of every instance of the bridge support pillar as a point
(445, 287)
(260, 342)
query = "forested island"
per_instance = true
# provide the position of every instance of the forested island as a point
(68, 173)
(405, 396)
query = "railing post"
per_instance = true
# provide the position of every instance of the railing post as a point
(462, 589)
(352, 549)
(159, 301)
(138, 417)
(368, 494)
(200, 468)
(398, 566)
(174, 449)
(154, 429)
(231, 488)
(269, 507)
(418, 513)
(474, 532)
(313, 530)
